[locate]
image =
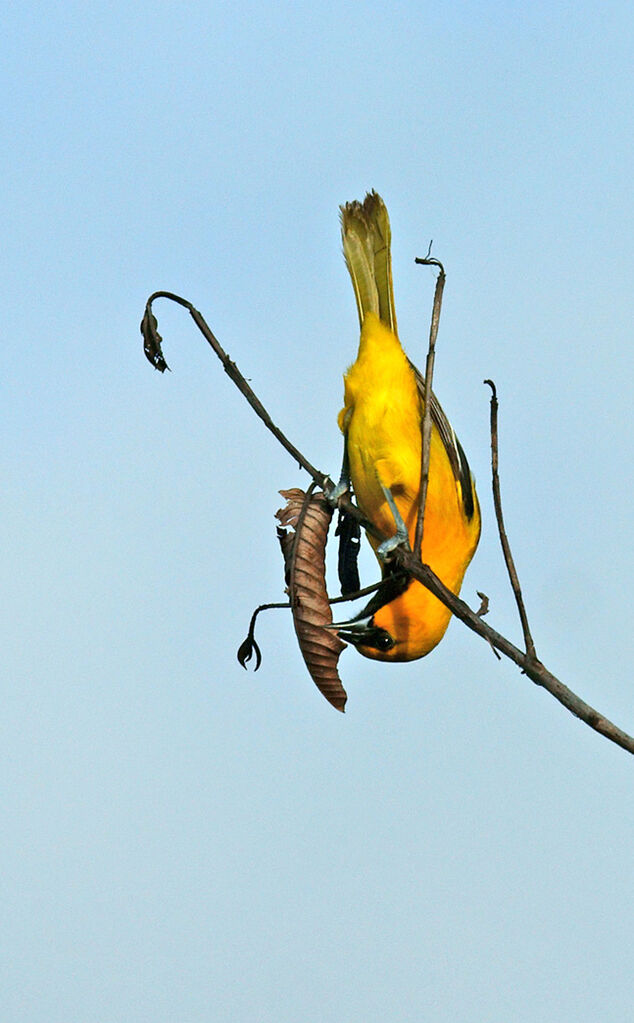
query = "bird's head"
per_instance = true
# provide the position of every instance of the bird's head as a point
(370, 639)
(402, 629)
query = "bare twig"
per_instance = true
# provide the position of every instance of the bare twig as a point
(154, 354)
(531, 667)
(249, 647)
(484, 610)
(429, 374)
(364, 592)
(407, 560)
(497, 500)
(152, 347)
(484, 604)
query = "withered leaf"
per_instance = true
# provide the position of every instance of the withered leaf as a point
(349, 532)
(152, 341)
(287, 540)
(484, 604)
(309, 517)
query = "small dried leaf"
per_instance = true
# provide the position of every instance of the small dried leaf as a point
(286, 539)
(152, 341)
(310, 518)
(484, 603)
(349, 532)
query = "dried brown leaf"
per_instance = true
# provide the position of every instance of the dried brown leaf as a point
(309, 517)
(152, 340)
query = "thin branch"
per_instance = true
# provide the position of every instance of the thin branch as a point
(429, 374)
(152, 347)
(154, 354)
(364, 592)
(531, 667)
(407, 560)
(497, 500)
(248, 648)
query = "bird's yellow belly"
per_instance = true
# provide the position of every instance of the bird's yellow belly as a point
(377, 460)
(384, 451)
(382, 423)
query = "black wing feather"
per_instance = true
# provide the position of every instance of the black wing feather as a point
(453, 447)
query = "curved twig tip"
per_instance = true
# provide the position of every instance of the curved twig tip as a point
(492, 386)
(249, 647)
(246, 651)
(430, 261)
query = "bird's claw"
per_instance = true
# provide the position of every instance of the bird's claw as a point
(400, 539)
(333, 496)
(401, 536)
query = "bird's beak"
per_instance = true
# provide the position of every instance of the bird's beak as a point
(356, 632)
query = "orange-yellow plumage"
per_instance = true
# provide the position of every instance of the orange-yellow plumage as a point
(382, 423)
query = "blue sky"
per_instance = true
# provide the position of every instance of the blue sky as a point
(184, 841)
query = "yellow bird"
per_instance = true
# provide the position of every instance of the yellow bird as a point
(382, 425)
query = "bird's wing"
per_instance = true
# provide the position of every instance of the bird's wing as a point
(453, 447)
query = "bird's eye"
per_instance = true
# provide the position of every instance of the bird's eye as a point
(384, 641)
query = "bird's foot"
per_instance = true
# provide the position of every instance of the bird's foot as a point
(400, 539)
(343, 486)
(401, 536)
(333, 496)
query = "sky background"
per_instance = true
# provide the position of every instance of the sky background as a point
(182, 841)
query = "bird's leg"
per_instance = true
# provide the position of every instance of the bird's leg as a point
(343, 486)
(401, 537)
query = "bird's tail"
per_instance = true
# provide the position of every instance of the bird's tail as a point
(366, 236)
